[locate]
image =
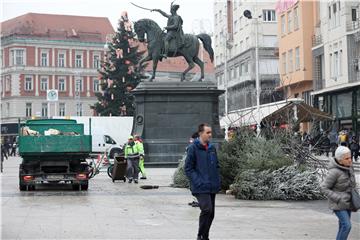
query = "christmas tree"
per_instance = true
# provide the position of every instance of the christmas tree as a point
(119, 73)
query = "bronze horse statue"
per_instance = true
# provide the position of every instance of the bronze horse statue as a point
(155, 40)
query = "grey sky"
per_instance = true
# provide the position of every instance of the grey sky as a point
(190, 10)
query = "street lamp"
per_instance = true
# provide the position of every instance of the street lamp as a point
(247, 14)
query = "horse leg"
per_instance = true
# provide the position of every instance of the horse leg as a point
(155, 63)
(191, 66)
(145, 59)
(198, 61)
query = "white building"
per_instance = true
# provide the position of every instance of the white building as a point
(240, 33)
(336, 59)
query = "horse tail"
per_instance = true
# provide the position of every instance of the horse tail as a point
(206, 40)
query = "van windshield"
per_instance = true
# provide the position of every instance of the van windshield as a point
(109, 140)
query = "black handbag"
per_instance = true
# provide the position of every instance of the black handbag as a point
(355, 199)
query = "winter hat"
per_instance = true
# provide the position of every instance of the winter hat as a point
(340, 152)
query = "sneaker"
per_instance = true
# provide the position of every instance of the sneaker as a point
(136, 181)
(143, 178)
(130, 180)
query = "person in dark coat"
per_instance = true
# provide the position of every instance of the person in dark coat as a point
(354, 147)
(202, 169)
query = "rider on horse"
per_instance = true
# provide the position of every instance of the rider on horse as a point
(174, 30)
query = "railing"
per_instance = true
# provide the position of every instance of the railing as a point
(353, 25)
(319, 84)
(317, 40)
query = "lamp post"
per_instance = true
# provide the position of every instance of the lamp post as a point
(225, 36)
(247, 14)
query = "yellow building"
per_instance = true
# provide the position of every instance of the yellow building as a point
(296, 24)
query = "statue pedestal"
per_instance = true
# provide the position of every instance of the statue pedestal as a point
(168, 113)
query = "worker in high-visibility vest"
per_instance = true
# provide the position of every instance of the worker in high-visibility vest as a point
(133, 152)
(139, 141)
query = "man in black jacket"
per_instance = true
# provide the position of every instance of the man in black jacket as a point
(202, 169)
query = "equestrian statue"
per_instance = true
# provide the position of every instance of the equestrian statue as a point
(172, 43)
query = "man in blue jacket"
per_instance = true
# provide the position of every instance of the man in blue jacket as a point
(202, 169)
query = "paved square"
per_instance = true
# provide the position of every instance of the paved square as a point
(124, 211)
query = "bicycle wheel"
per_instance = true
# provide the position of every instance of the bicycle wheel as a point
(109, 170)
(91, 172)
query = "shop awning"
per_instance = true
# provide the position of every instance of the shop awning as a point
(298, 111)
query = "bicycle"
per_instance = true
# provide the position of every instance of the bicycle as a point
(94, 168)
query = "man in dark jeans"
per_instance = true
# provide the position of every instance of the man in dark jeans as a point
(202, 169)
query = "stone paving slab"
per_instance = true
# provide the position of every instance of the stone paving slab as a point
(124, 211)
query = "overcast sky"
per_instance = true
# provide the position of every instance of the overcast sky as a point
(192, 11)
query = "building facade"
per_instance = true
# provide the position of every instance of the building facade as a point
(43, 51)
(336, 60)
(235, 38)
(296, 26)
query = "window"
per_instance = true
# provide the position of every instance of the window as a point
(340, 62)
(283, 25)
(331, 65)
(61, 109)
(246, 67)
(7, 84)
(1, 58)
(79, 85)
(290, 56)
(297, 58)
(78, 60)
(44, 83)
(336, 64)
(61, 84)
(61, 60)
(79, 109)
(44, 59)
(28, 110)
(96, 85)
(283, 63)
(353, 14)
(247, 42)
(334, 14)
(17, 57)
(44, 110)
(241, 46)
(289, 21)
(296, 18)
(96, 61)
(28, 84)
(235, 26)
(269, 16)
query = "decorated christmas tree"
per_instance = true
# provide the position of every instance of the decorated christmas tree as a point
(119, 73)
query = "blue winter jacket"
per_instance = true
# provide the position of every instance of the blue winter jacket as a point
(202, 168)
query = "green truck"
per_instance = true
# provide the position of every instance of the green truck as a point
(54, 151)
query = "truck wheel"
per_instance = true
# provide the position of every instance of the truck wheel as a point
(75, 187)
(22, 187)
(109, 170)
(85, 186)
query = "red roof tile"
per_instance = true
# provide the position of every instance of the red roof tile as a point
(58, 27)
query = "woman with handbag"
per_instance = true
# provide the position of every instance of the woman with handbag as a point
(338, 187)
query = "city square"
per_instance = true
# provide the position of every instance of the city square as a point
(139, 120)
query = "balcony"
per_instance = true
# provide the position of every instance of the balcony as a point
(353, 25)
(317, 40)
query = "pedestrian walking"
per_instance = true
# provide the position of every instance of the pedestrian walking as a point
(202, 169)
(3, 156)
(132, 155)
(13, 149)
(343, 138)
(139, 141)
(337, 188)
(354, 147)
(333, 136)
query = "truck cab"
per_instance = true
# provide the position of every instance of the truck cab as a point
(102, 143)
